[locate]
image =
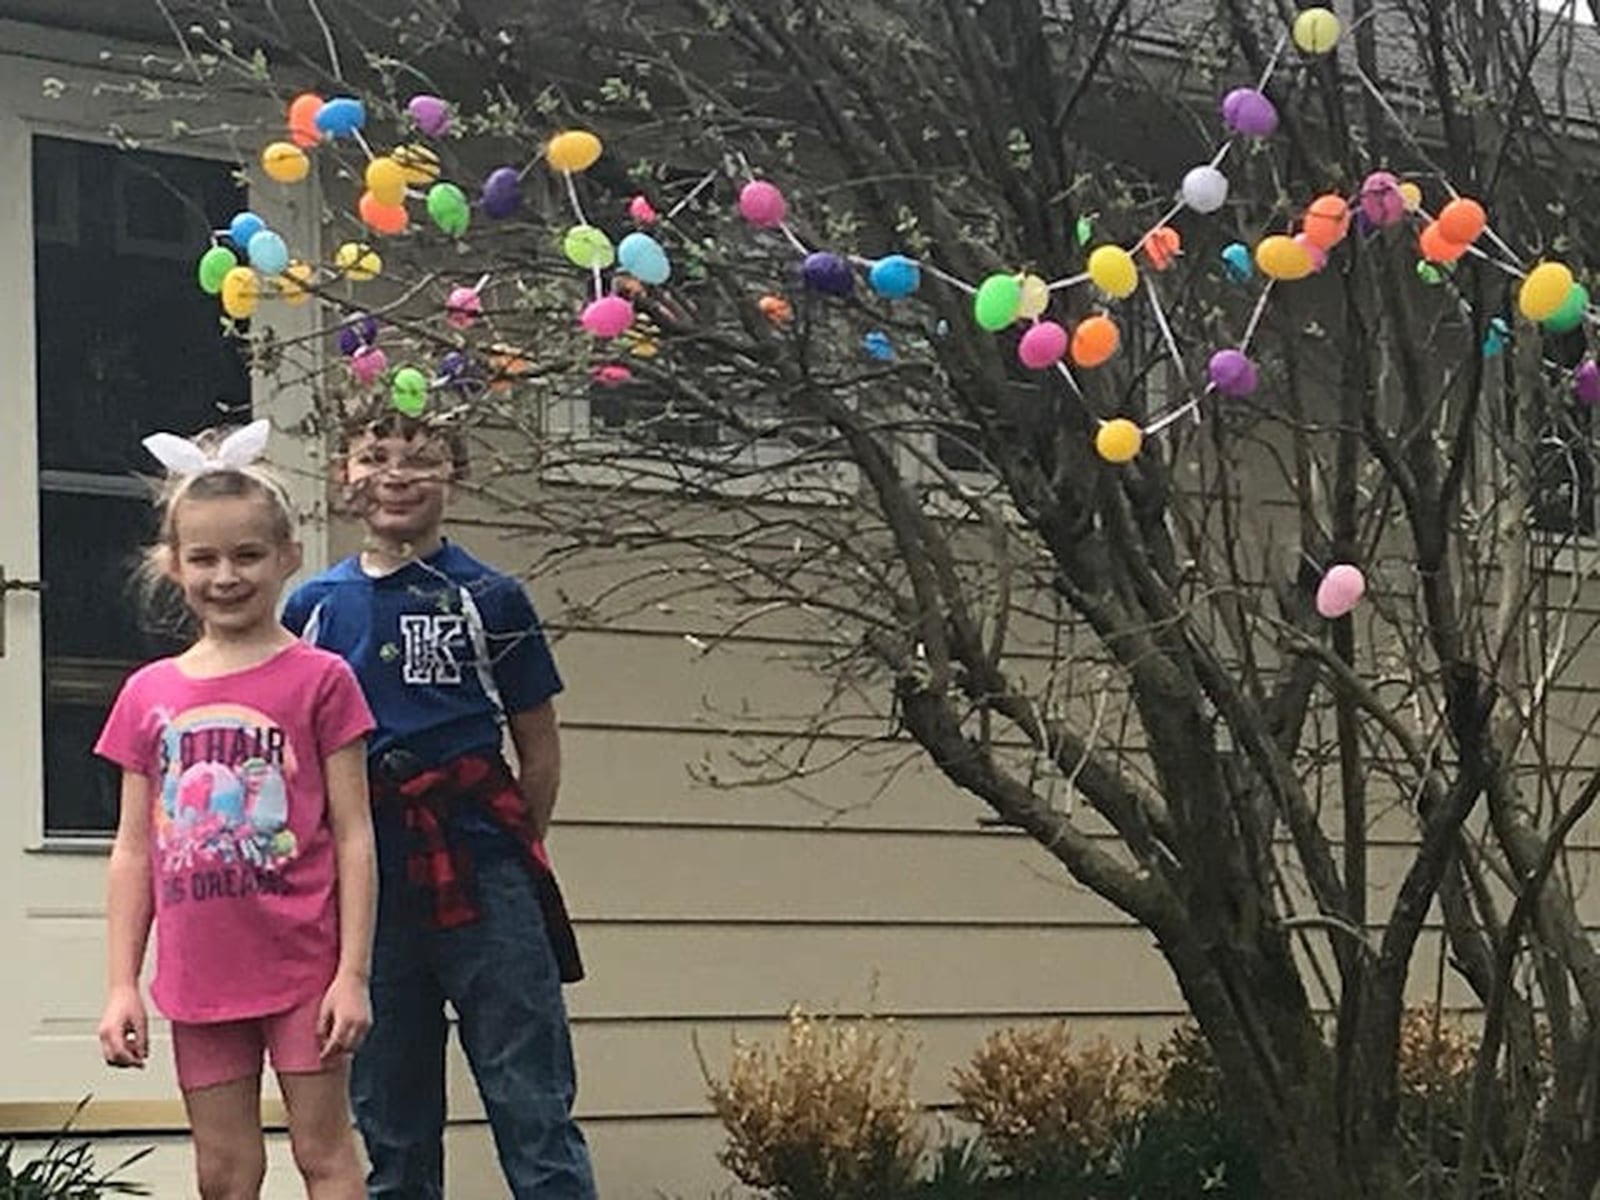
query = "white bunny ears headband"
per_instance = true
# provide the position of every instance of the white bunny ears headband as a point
(238, 450)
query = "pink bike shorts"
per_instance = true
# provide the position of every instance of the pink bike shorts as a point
(208, 1055)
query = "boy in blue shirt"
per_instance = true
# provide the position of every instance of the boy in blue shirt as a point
(449, 653)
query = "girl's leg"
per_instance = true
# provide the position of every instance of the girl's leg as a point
(320, 1133)
(230, 1157)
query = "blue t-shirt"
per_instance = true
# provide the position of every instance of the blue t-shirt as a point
(445, 648)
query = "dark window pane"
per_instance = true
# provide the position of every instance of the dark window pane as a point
(81, 790)
(127, 341)
(127, 344)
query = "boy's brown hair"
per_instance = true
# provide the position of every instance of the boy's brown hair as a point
(389, 422)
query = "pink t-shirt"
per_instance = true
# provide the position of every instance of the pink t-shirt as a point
(241, 854)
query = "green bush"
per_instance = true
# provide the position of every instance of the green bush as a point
(66, 1170)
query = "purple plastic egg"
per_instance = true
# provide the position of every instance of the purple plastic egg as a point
(824, 271)
(1249, 112)
(431, 114)
(1586, 382)
(502, 193)
(1232, 373)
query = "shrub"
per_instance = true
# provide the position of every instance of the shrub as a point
(65, 1171)
(1047, 1107)
(826, 1114)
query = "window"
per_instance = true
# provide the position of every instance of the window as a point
(126, 345)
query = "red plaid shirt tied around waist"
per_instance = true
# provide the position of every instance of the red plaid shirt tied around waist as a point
(440, 871)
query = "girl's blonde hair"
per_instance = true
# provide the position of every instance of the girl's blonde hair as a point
(215, 483)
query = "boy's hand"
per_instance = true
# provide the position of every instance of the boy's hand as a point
(345, 1017)
(124, 1029)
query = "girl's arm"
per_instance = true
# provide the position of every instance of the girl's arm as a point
(346, 1011)
(537, 736)
(130, 908)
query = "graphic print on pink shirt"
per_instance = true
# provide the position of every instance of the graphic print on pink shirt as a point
(224, 798)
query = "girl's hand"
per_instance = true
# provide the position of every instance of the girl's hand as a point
(345, 1017)
(124, 1029)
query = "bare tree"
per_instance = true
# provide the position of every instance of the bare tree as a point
(1086, 647)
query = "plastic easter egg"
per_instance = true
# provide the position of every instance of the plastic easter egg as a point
(776, 309)
(360, 330)
(1327, 220)
(368, 364)
(502, 193)
(1042, 346)
(386, 181)
(1118, 440)
(418, 164)
(448, 209)
(1113, 271)
(997, 302)
(1571, 313)
(380, 217)
(1232, 373)
(1435, 247)
(611, 374)
(588, 247)
(358, 261)
(573, 151)
(894, 277)
(1248, 112)
(1282, 258)
(241, 292)
(431, 114)
(826, 272)
(1094, 341)
(1586, 382)
(1035, 297)
(1429, 274)
(1462, 220)
(1340, 591)
(284, 162)
(608, 316)
(1236, 262)
(1316, 30)
(268, 252)
(341, 116)
(462, 307)
(294, 283)
(1544, 290)
(1204, 189)
(1410, 196)
(642, 211)
(508, 366)
(243, 227)
(878, 346)
(214, 265)
(1318, 256)
(1496, 337)
(762, 204)
(1382, 201)
(408, 391)
(1161, 247)
(641, 256)
(303, 110)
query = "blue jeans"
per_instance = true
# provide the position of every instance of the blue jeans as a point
(501, 977)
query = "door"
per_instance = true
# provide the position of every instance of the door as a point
(105, 337)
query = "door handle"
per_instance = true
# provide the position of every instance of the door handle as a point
(7, 586)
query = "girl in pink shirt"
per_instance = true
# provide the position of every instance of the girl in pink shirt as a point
(245, 837)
